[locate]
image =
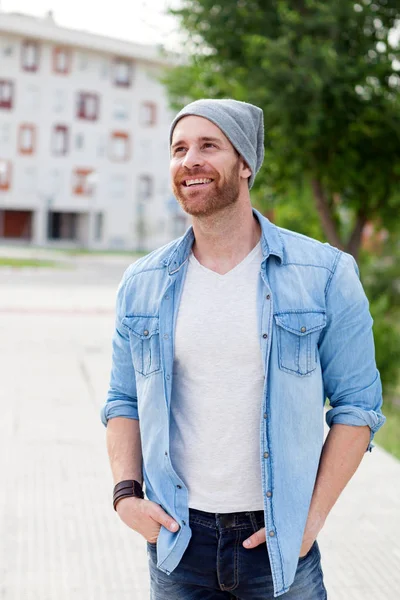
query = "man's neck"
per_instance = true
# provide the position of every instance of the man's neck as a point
(223, 240)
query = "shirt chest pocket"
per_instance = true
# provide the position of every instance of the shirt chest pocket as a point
(298, 333)
(144, 338)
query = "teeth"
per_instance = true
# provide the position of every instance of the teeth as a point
(196, 181)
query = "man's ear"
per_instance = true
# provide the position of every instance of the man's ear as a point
(245, 171)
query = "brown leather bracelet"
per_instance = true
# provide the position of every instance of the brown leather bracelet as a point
(126, 489)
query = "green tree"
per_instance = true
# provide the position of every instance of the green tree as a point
(325, 74)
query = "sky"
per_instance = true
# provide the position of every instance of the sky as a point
(135, 20)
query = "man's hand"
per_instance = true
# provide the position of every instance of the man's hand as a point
(259, 537)
(145, 517)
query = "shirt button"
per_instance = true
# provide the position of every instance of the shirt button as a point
(183, 522)
(271, 533)
(265, 415)
(269, 494)
(167, 297)
(145, 332)
(168, 377)
(265, 335)
(266, 454)
(179, 487)
(268, 296)
(166, 336)
(303, 329)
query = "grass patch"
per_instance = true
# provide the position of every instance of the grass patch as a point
(388, 436)
(20, 263)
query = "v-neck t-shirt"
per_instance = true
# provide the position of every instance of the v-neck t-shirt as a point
(218, 383)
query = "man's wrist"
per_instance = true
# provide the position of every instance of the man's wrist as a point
(127, 489)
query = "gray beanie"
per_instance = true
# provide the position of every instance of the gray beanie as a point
(242, 123)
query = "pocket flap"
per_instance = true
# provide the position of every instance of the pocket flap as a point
(301, 322)
(142, 327)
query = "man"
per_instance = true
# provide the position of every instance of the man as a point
(227, 343)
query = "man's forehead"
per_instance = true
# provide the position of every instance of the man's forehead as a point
(194, 127)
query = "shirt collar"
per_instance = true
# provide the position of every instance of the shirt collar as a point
(271, 243)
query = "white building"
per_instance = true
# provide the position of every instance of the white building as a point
(83, 139)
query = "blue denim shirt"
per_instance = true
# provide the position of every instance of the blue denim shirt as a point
(316, 340)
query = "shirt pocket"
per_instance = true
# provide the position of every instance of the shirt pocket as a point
(298, 335)
(144, 338)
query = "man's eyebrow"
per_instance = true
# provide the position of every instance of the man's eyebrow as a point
(202, 139)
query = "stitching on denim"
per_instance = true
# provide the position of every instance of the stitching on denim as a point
(254, 523)
(334, 267)
(218, 558)
(201, 522)
(129, 316)
(299, 311)
(236, 562)
(309, 265)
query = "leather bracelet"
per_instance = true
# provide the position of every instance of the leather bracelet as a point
(127, 489)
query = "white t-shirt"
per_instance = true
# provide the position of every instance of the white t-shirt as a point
(217, 388)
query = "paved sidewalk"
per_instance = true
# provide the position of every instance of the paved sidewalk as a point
(60, 538)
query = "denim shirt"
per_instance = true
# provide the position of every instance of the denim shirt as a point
(315, 333)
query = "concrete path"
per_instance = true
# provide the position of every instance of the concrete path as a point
(60, 538)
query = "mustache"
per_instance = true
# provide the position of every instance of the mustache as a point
(185, 173)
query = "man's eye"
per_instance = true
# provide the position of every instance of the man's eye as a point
(179, 150)
(209, 145)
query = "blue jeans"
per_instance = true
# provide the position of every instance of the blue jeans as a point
(215, 565)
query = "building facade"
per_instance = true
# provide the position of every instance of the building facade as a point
(84, 150)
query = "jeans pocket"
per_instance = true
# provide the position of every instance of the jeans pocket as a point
(298, 335)
(309, 553)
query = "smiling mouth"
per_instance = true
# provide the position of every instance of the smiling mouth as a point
(195, 183)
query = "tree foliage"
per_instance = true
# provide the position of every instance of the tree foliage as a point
(325, 73)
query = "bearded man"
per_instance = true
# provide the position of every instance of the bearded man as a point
(227, 343)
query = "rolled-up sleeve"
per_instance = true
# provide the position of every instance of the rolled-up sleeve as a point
(351, 380)
(121, 397)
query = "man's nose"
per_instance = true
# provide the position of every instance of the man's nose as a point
(193, 158)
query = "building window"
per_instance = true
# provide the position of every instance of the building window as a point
(121, 110)
(30, 56)
(102, 146)
(83, 61)
(104, 69)
(98, 226)
(60, 140)
(5, 129)
(79, 141)
(145, 187)
(27, 139)
(148, 114)
(122, 72)
(60, 100)
(8, 49)
(83, 182)
(5, 175)
(88, 106)
(54, 182)
(118, 186)
(6, 93)
(61, 61)
(119, 146)
(29, 179)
